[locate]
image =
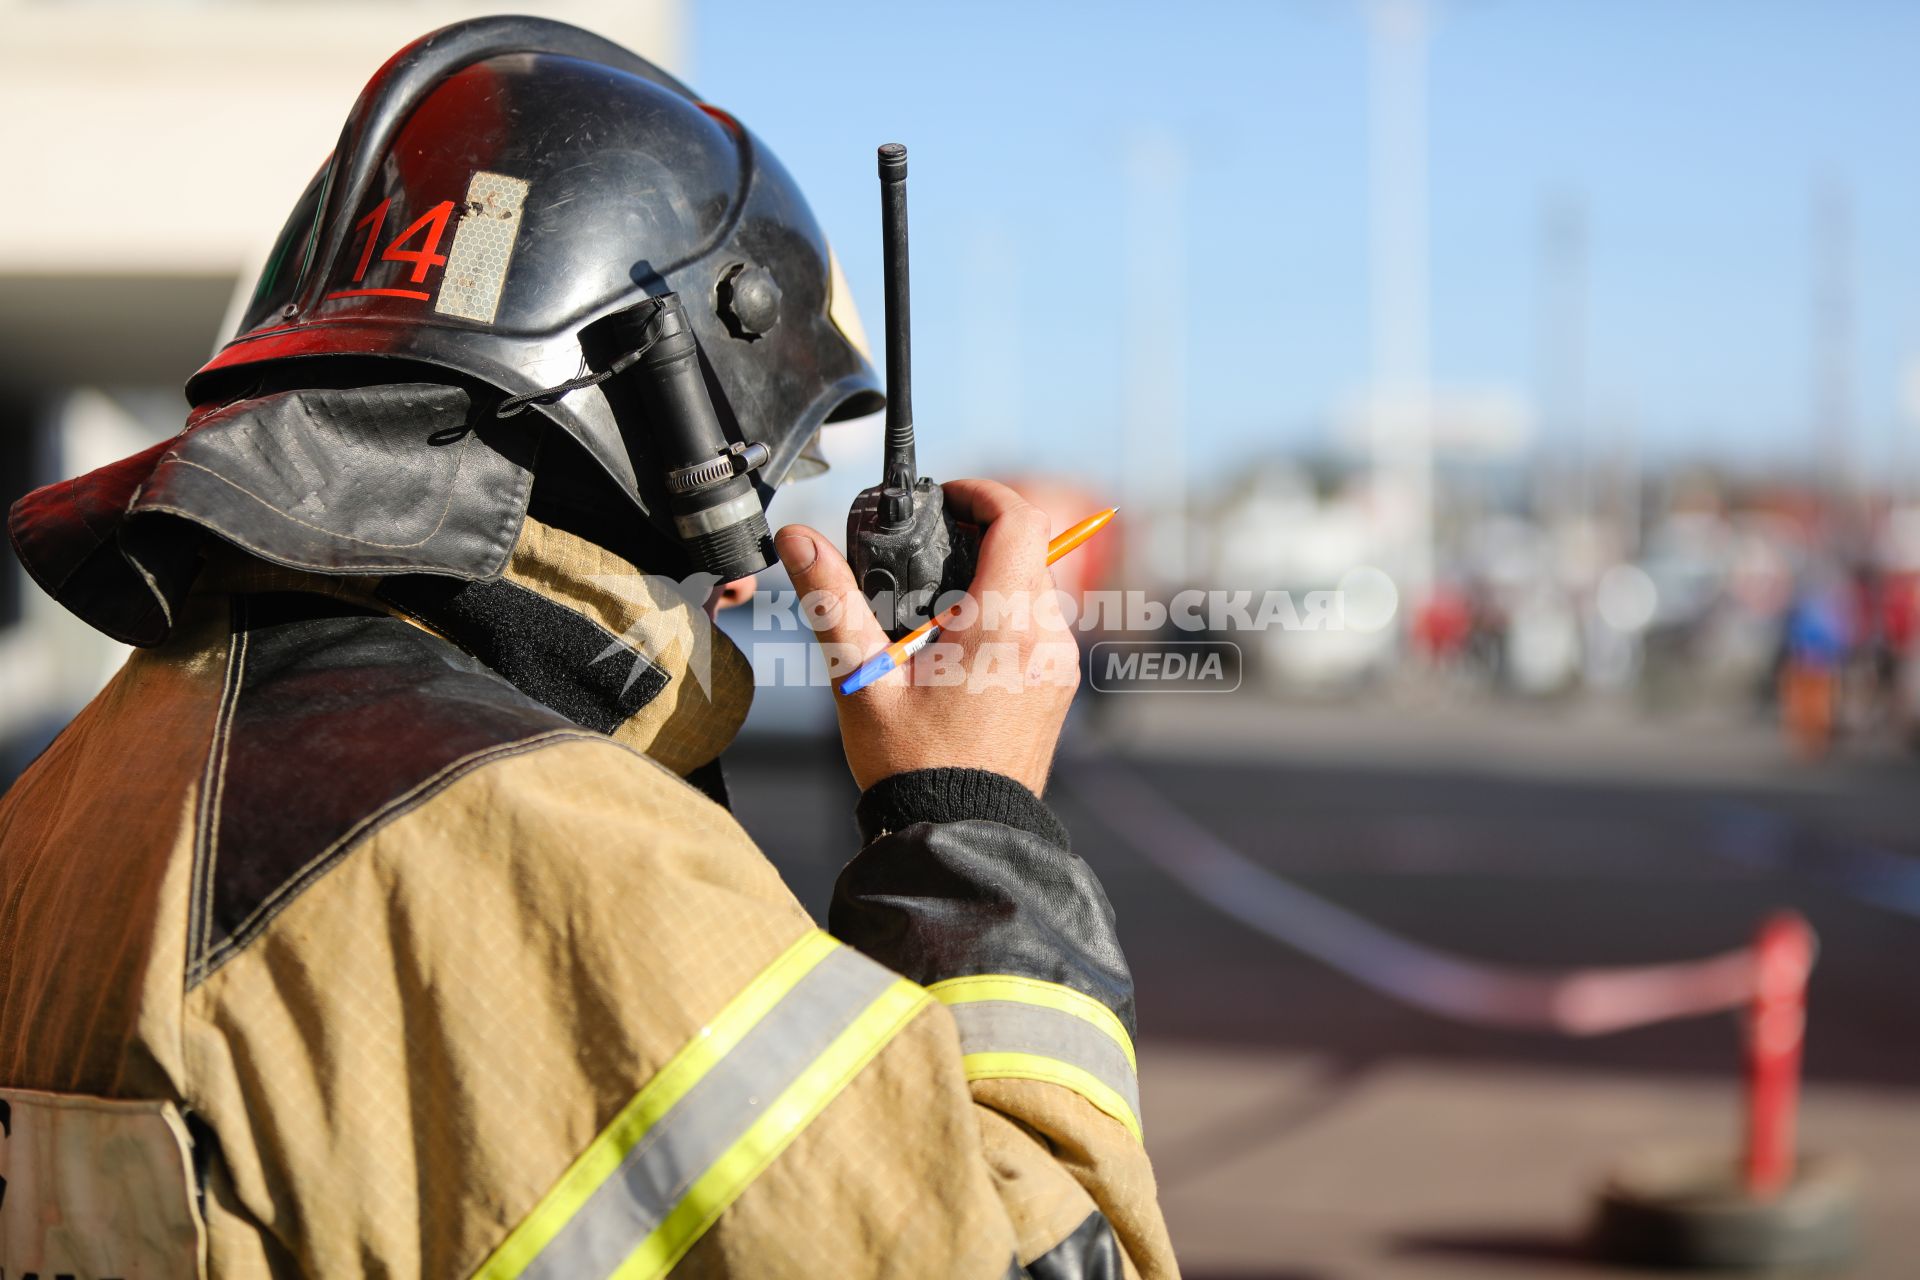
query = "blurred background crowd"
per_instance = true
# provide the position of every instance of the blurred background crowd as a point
(1594, 326)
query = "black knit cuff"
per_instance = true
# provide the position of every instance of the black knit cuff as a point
(954, 795)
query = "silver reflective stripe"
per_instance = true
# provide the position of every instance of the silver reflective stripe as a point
(712, 1116)
(1008, 1026)
(482, 248)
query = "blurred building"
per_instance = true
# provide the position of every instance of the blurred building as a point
(152, 152)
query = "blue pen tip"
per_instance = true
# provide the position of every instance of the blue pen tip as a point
(869, 672)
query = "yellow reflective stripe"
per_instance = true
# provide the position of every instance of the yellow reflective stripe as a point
(1031, 1066)
(670, 1084)
(782, 1122)
(1050, 995)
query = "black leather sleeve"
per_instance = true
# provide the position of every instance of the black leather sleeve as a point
(967, 872)
(1090, 1253)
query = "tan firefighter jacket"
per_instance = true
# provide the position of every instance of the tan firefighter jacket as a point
(367, 925)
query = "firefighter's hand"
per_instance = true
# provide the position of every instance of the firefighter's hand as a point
(991, 693)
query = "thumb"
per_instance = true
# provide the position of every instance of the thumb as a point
(830, 600)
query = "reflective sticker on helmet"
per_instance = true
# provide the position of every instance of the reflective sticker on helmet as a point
(840, 308)
(482, 248)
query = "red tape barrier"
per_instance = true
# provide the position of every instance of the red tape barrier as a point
(1770, 977)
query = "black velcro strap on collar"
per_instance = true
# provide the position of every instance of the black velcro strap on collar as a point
(547, 651)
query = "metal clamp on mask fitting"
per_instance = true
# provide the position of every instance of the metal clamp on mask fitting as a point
(648, 352)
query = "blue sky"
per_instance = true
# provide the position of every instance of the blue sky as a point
(1694, 132)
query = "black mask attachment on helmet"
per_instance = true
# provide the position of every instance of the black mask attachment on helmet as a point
(647, 363)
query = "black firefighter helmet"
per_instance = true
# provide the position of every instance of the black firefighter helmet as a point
(507, 185)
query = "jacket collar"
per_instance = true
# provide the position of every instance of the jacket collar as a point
(611, 647)
(702, 685)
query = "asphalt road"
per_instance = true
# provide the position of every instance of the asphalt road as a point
(1304, 1126)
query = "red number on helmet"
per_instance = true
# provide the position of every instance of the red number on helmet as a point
(434, 224)
(372, 223)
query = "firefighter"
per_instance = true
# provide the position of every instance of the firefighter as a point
(383, 915)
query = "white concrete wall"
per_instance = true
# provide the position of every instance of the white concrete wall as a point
(174, 137)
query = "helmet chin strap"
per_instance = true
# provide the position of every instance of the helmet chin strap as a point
(513, 406)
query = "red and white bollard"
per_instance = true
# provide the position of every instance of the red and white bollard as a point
(1769, 1208)
(1776, 1031)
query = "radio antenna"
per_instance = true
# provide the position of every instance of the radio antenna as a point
(896, 507)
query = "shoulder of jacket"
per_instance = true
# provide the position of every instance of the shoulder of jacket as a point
(333, 722)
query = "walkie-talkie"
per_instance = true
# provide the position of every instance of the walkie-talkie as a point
(905, 547)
